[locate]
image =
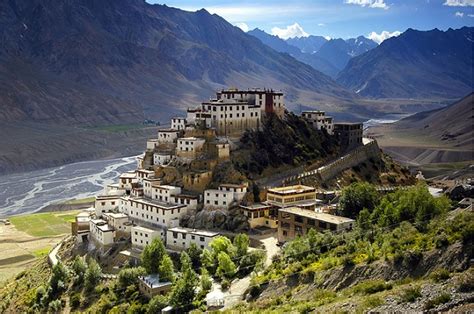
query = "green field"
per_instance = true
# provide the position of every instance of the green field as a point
(45, 224)
(80, 201)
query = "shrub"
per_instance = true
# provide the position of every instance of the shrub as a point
(75, 300)
(465, 283)
(129, 276)
(441, 299)
(410, 294)
(372, 301)
(55, 306)
(255, 290)
(225, 284)
(440, 275)
(372, 286)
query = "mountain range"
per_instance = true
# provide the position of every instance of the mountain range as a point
(327, 56)
(416, 64)
(111, 61)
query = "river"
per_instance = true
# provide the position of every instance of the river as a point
(30, 191)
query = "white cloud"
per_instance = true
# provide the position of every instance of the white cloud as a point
(378, 38)
(470, 15)
(290, 31)
(243, 26)
(459, 14)
(459, 3)
(321, 24)
(376, 4)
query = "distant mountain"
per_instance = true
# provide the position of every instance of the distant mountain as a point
(360, 45)
(338, 52)
(329, 57)
(417, 64)
(281, 45)
(109, 61)
(310, 44)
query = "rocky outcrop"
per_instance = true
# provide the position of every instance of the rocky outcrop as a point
(230, 220)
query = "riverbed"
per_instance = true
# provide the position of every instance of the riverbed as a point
(28, 192)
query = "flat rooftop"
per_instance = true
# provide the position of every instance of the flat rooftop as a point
(153, 281)
(156, 203)
(293, 189)
(198, 232)
(116, 215)
(128, 175)
(168, 131)
(255, 206)
(145, 229)
(317, 216)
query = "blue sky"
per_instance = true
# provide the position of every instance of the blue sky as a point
(337, 18)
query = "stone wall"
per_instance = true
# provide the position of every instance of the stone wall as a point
(351, 159)
(197, 181)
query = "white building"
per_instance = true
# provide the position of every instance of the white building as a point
(319, 120)
(101, 233)
(119, 222)
(167, 135)
(269, 101)
(178, 123)
(126, 179)
(239, 190)
(189, 147)
(180, 238)
(163, 193)
(142, 174)
(162, 158)
(152, 212)
(218, 198)
(147, 185)
(232, 116)
(106, 203)
(142, 236)
(151, 144)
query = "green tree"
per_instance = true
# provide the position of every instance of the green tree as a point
(79, 267)
(252, 261)
(129, 276)
(241, 244)
(194, 253)
(92, 275)
(58, 279)
(206, 283)
(226, 267)
(222, 244)
(156, 304)
(152, 255)
(356, 197)
(207, 260)
(185, 262)
(183, 292)
(166, 269)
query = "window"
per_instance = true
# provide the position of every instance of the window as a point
(201, 239)
(299, 219)
(175, 235)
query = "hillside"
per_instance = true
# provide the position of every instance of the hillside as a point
(438, 136)
(119, 61)
(417, 64)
